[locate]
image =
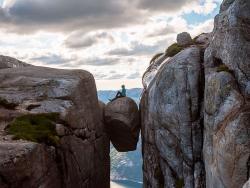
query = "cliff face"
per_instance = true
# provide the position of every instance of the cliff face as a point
(75, 153)
(172, 123)
(227, 92)
(195, 107)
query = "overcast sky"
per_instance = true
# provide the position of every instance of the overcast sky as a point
(113, 39)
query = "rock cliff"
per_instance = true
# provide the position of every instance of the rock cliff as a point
(172, 123)
(227, 107)
(52, 134)
(195, 107)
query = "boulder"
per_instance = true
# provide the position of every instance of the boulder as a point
(184, 39)
(122, 122)
(226, 147)
(172, 123)
(80, 156)
(203, 39)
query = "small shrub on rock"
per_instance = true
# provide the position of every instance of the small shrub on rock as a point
(36, 128)
(173, 50)
(179, 183)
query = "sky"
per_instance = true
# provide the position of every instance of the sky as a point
(112, 39)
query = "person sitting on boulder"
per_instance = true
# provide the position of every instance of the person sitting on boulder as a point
(120, 94)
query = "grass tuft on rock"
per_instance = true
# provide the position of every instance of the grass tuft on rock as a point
(223, 68)
(4, 103)
(173, 50)
(155, 57)
(36, 128)
(179, 183)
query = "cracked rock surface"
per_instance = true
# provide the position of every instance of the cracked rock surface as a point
(227, 106)
(81, 158)
(195, 112)
(172, 123)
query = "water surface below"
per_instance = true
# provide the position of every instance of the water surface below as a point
(125, 184)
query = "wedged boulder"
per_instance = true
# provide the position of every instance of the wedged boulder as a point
(81, 147)
(172, 123)
(184, 39)
(122, 122)
(226, 147)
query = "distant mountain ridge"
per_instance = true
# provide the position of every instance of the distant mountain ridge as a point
(105, 95)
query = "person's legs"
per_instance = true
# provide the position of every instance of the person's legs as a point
(119, 94)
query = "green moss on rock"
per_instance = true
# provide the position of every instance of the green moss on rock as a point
(173, 50)
(179, 183)
(36, 128)
(223, 68)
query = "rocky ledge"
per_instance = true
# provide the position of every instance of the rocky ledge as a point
(52, 134)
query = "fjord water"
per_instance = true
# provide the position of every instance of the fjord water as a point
(125, 184)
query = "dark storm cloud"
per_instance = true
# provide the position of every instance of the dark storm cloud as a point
(80, 40)
(69, 15)
(65, 15)
(163, 5)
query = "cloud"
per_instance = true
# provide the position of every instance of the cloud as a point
(116, 76)
(163, 5)
(52, 59)
(104, 61)
(79, 40)
(137, 48)
(162, 31)
(24, 16)
(65, 15)
(113, 75)
(134, 75)
(204, 27)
